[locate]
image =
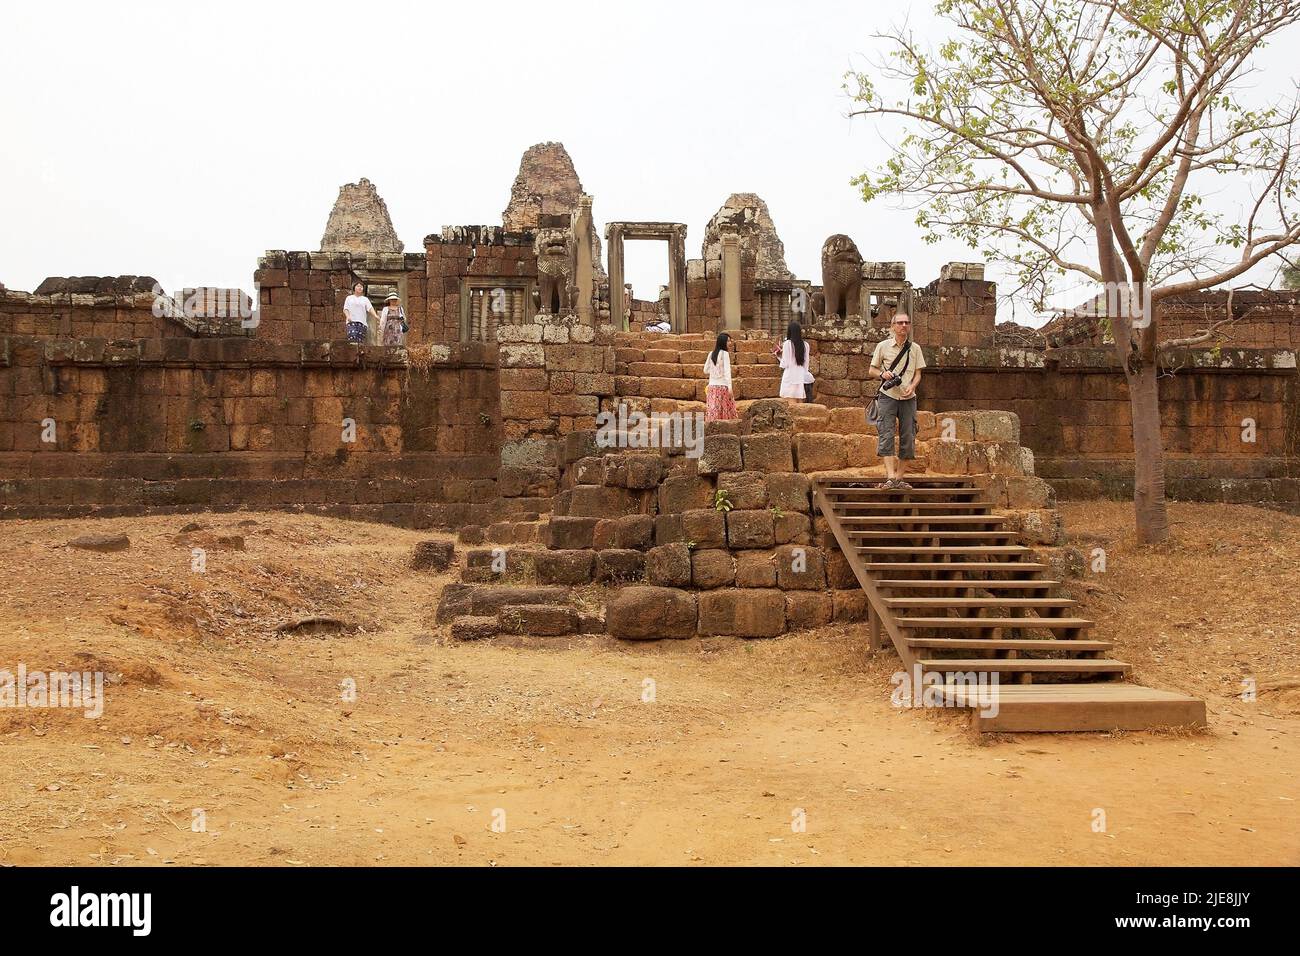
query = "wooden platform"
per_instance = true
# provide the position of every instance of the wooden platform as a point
(1075, 707)
(956, 594)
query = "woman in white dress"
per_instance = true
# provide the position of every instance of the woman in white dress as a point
(795, 377)
(720, 404)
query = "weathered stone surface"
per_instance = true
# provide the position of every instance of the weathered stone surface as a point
(790, 491)
(747, 213)
(849, 605)
(820, 451)
(540, 620)
(567, 533)
(595, 501)
(800, 568)
(471, 534)
(642, 613)
(458, 600)
(564, 567)
(721, 453)
(750, 529)
(635, 531)
(712, 568)
(756, 569)
(1038, 527)
(949, 457)
(669, 565)
(767, 415)
(101, 542)
(684, 493)
(705, 528)
(668, 529)
(839, 574)
(753, 612)
(745, 490)
(767, 452)
(995, 426)
(793, 528)
(805, 609)
(433, 556)
(485, 565)
(619, 564)
(359, 222)
(1029, 492)
(473, 628)
(589, 471)
(605, 534)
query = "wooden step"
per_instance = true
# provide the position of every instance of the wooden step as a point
(1036, 584)
(1007, 644)
(906, 602)
(928, 549)
(886, 494)
(961, 535)
(1043, 623)
(942, 507)
(921, 519)
(955, 566)
(1027, 665)
(1057, 708)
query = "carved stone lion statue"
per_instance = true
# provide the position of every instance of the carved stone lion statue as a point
(554, 248)
(841, 277)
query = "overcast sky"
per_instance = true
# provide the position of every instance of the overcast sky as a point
(181, 140)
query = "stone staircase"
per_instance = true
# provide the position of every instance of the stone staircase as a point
(672, 366)
(972, 614)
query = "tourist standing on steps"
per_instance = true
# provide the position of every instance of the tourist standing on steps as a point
(392, 321)
(796, 380)
(357, 311)
(897, 362)
(720, 405)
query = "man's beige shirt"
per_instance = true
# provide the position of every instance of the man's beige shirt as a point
(884, 356)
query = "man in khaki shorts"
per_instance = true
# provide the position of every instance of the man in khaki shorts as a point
(897, 362)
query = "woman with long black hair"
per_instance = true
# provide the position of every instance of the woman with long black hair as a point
(719, 404)
(795, 378)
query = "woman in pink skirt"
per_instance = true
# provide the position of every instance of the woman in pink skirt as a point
(719, 404)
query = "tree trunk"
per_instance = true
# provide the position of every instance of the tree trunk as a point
(1148, 455)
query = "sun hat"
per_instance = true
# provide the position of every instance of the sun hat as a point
(391, 296)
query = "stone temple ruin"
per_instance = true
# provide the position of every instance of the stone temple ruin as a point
(117, 400)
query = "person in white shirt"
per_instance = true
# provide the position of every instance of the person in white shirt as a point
(719, 403)
(795, 378)
(357, 311)
(392, 321)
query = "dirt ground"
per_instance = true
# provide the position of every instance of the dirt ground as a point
(784, 751)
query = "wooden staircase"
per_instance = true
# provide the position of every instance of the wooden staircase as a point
(960, 597)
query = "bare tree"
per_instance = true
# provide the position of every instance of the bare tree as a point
(1099, 140)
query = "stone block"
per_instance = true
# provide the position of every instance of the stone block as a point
(433, 556)
(566, 533)
(750, 529)
(790, 491)
(744, 490)
(635, 532)
(756, 569)
(721, 453)
(669, 565)
(619, 564)
(684, 493)
(564, 567)
(808, 609)
(767, 452)
(820, 452)
(642, 613)
(800, 568)
(753, 612)
(712, 568)
(849, 605)
(539, 620)
(791, 527)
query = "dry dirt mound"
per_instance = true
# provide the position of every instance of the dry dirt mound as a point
(697, 751)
